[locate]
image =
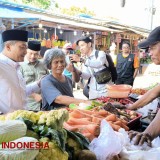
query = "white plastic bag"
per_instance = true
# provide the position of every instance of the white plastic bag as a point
(107, 144)
(134, 152)
(152, 105)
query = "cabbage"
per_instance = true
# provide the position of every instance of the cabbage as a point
(11, 130)
(19, 154)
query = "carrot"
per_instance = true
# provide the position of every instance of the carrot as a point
(76, 114)
(109, 122)
(124, 122)
(111, 117)
(97, 115)
(125, 127)
(82, 112)
(119, 123)
(94, 129)
(86, 133)
(96, 120)
(69, 127)
(87, 118)
(89, 136)
(74, 121)
(103, 113)
(86, 111)
(115, 127)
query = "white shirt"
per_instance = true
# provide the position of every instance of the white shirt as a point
(13, 90)
(97, 64)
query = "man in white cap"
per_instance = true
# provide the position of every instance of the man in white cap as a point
(13, 88)
(33, 69)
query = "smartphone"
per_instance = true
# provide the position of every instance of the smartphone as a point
(72, 61)
(71, 52)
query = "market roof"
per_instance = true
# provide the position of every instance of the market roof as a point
(30, 15)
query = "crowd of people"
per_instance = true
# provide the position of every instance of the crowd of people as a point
(30, 83)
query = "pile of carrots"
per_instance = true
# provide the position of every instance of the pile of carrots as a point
(87, 122)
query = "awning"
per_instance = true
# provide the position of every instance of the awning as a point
(10, 12)
(76, 23)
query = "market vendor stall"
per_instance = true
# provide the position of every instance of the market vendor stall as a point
(72, 132)
(47, 128)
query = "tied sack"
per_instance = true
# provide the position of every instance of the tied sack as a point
(103, 76)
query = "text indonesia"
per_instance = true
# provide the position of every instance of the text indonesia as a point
(25, 145)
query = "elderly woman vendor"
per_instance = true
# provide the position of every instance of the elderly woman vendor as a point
(57, 88)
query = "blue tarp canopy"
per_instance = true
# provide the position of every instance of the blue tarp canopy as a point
(10, 12)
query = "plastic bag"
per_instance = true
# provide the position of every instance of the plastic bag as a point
(153, 105)
(107, 144)
(135, 152)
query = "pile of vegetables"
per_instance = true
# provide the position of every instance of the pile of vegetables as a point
(42, 127)
(123, 101)
(87, 122)
(120, 112)
(86, 106)
(139, 91)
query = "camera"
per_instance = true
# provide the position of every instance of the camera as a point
(71, 52)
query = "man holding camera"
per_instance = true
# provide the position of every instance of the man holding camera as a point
(67, 49)
(92, 68)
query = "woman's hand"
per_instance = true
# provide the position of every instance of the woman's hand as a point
(37, 97)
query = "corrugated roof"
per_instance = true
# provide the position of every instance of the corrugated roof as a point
(13, 10)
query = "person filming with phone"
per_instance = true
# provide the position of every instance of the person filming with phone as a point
(67, 49)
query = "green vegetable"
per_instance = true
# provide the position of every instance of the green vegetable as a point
(28, 123)
(22, 154)
(83, 139)
(11, 130)
(86, 154)
(30, 115)
(53, 153)
(32, 134)
(2, 117)
(38, 131)
(75, 143)
(73, 106)
(96, 104)
(89, 107)
(54, 118)
(79, 139)
(58, 136)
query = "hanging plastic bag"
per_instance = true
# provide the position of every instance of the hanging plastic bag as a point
(108, 143)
